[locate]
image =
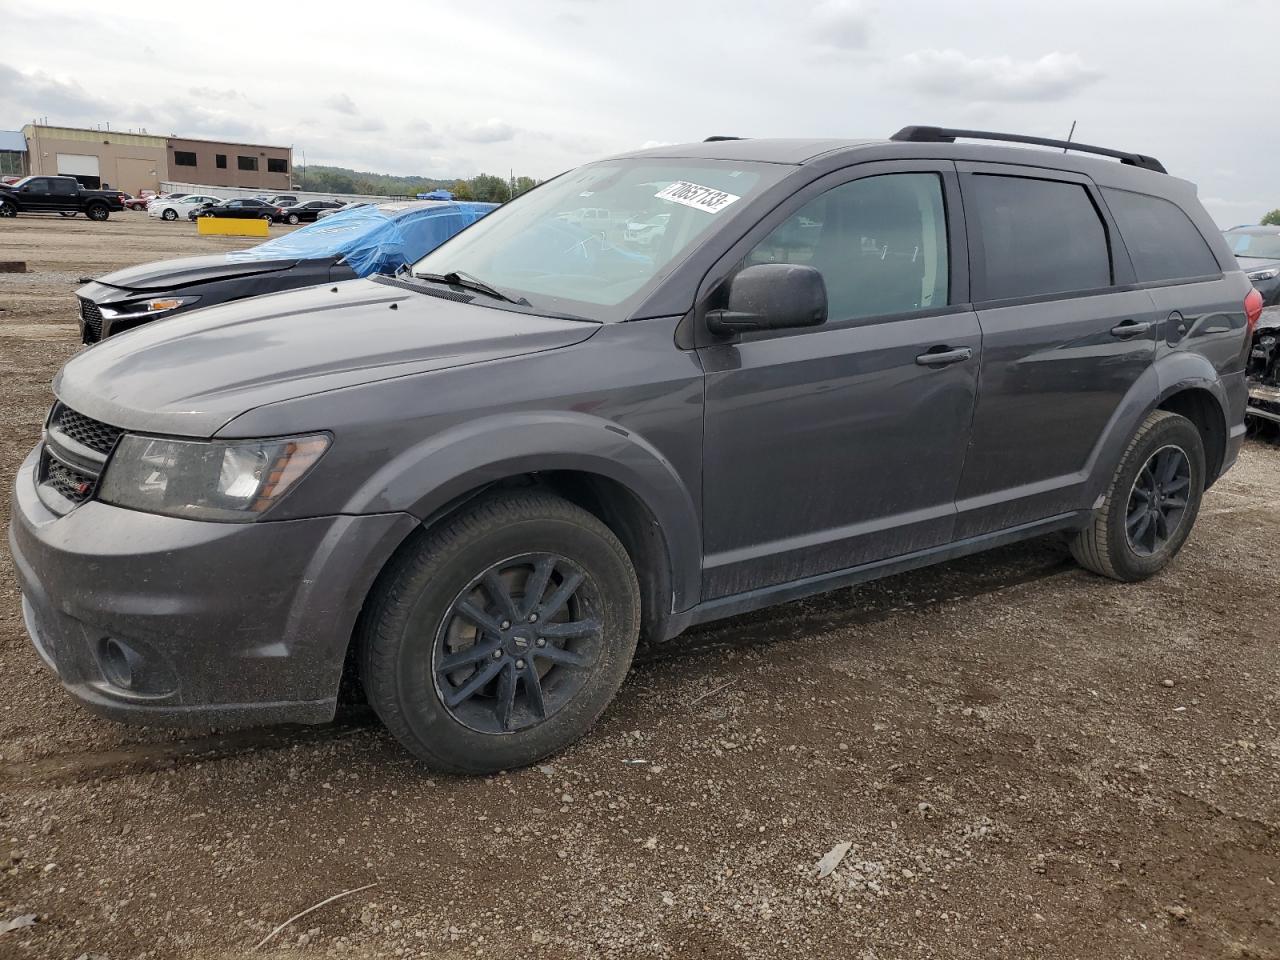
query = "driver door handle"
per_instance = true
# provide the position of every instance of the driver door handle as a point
(1130, 328)
(944, 356)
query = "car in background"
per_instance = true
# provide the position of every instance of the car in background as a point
(281, 199)
(140, 201)
(349, 205)
(358, 243)
(645, 232)
(308, 210)
(240, 208)
(62, 195)
(1257, 250)
(170, 209)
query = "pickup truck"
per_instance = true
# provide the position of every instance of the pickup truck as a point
(57, 195)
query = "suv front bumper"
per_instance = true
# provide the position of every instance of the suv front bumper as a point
(158, 619)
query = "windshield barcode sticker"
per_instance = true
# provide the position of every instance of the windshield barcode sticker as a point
(700, 198)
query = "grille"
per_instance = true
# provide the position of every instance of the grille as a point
(83, 430)
(92, 318)
(69, 482)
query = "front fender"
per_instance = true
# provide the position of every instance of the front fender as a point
(429, 475)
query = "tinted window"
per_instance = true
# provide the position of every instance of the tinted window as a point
(1163, 243)
(220, 161)
(184, 158)
(880, 243)
(275, 165)
(38, 185)
(247, 163)
(63, 186)
(1038, 236)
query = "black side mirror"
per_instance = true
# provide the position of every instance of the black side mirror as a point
(772, 296)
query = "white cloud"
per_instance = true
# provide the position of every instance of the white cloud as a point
(341, 103)
(493, 130)
(844, 24)
(949, 73)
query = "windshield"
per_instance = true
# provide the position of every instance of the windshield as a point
(567, 245)
(1262, 245)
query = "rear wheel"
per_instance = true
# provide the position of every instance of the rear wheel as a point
(501, 636)
(292, 218)
(1152, 503)
(97, 212)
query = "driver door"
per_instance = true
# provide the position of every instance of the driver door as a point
(839, 445)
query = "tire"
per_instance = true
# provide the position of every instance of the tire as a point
(412, 622)
(7, 209)
(292, 218)
(67, 213)
(97, 212)
(266, 216)
(1117, 543)
(169, 214)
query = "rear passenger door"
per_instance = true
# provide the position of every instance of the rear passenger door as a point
(1065, 336)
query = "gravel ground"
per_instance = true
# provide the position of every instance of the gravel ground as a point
(1023, 760)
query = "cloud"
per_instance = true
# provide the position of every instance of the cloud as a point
(843, 24)
(492, 130)
(38, 93)
(423, 135)
(341, 103)
(949, 73)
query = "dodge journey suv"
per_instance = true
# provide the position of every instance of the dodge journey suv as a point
(472, 488)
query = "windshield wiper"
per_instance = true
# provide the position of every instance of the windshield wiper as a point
(457, 278)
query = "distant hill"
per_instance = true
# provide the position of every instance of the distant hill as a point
(322, 179)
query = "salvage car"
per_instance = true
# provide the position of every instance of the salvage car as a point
(173, 208)
(375, 240)
(308, 211)
(1258, 251)
(472, 488)
(241, 208)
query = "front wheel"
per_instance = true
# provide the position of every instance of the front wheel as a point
(1151, 505)
(67, 213)
(7, 209)
(169, 214)
(97, 212)
(500, 636)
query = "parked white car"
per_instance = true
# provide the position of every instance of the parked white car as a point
(169, 209)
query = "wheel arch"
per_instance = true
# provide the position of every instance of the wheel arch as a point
(1199, 404)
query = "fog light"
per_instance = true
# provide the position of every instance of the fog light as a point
(117, 663)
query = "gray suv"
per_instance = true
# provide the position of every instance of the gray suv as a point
(474, 487)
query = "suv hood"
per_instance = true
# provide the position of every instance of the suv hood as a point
(168, 274)
(192, 374)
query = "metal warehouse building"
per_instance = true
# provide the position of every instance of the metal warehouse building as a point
(139, 161)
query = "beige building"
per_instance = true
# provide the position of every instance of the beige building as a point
(218, 164)
(138, 161)
(98, 158)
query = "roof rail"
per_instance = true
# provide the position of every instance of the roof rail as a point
(717, 139)
(916, 134)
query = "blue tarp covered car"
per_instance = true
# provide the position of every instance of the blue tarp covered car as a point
(378, 238)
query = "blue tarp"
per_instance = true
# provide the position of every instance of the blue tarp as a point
(379, 238)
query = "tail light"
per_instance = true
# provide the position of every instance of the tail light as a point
(1252, 311)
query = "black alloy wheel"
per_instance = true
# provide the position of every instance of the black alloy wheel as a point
(1158, 500)
(517, 643)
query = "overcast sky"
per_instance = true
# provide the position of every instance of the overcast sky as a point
(453, 88)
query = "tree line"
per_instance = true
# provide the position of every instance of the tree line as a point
(486, 187)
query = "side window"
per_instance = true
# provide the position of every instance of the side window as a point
(1039, 237)
(39, 185)
(1161, 239)
(236, 204)
(880, 243)
(63, 187)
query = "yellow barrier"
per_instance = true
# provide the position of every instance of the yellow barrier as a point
(231, 227)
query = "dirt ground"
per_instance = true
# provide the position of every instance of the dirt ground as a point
(1026, 760)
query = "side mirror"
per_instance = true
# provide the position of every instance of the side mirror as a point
(772, 296)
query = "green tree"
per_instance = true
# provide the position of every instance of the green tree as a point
(461, 190)
(490, 189)
(524, 184)
(1272, 219)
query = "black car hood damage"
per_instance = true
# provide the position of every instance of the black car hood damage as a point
(172, 274)
(191, 375)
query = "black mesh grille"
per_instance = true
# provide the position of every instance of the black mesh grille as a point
(92, 318)
(69, 482)
(83, 430)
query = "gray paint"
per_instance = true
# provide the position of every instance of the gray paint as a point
(773, 465)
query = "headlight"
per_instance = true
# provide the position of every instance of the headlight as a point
(234, 480)
(139, 307)
(1265, 274)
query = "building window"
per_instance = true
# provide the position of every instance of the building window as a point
(184, 158)
(247, 163)
(276, 165)
(220, 161)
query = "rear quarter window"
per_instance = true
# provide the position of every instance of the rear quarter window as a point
(1039, 238)
(1162, 241)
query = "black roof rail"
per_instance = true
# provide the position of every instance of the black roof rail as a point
(916, 134)
(717, 139)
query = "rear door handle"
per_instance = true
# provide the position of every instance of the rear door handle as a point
(1130, 328)
(944, 356)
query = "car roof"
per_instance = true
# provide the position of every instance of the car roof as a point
(1263, 231)
(762, 150)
